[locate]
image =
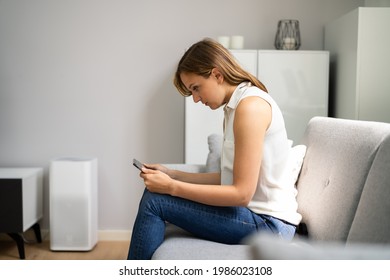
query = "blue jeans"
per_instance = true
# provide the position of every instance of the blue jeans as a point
(227, 225)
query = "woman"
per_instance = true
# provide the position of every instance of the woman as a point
(251, 193)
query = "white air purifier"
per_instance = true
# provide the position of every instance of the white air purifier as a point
(73, 204)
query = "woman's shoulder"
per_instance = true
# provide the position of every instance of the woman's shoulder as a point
(255, 91)
(253, 109)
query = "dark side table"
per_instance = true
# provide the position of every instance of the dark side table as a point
(21, 203)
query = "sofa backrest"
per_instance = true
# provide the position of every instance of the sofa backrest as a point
(344, 186)
(372, 221)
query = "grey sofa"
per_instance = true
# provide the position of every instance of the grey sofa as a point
(343, 196)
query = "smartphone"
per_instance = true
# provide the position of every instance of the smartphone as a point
(138, 164)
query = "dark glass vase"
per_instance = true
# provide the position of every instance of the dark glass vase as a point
(288, 36)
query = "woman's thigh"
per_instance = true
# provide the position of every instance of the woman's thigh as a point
(222, 224)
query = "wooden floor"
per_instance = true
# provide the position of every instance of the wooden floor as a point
(104, 250)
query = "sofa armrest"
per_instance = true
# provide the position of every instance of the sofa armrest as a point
(271, 247)
(193, 168)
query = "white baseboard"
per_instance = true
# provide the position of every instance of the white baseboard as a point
(103, 235)
(114, 235)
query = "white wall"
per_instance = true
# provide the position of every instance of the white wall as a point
(93, 78)
(377, 3)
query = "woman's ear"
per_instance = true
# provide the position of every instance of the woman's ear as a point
(217, 74)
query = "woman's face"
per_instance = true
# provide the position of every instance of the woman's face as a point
(209, 90)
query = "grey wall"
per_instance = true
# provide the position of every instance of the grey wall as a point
(93, 78)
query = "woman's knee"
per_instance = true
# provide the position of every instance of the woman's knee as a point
(151, 202)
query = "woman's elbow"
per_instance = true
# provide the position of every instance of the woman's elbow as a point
(244, 200)
(244, 194)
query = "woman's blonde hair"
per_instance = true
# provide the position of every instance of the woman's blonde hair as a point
(202, 57)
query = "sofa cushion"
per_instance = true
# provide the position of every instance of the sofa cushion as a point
(295, 161)
(181, 245)
(213, 163)
(338, 160)
(270, 247)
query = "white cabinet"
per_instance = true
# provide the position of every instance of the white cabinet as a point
(21, 203)
(359, 56)
(21, 196)
(297, 80)
(247, 59)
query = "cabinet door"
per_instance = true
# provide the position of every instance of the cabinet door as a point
(298, 82)
(247, 59)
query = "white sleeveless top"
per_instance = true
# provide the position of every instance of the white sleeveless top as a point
(275, 194)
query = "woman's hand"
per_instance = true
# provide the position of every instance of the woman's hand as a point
(159, 167)
(156, 180)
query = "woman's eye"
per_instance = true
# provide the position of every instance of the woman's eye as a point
(195, 88)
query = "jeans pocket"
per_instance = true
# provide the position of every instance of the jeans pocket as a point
(284, 230)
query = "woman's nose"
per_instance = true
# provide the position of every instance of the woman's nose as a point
(196, 98)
